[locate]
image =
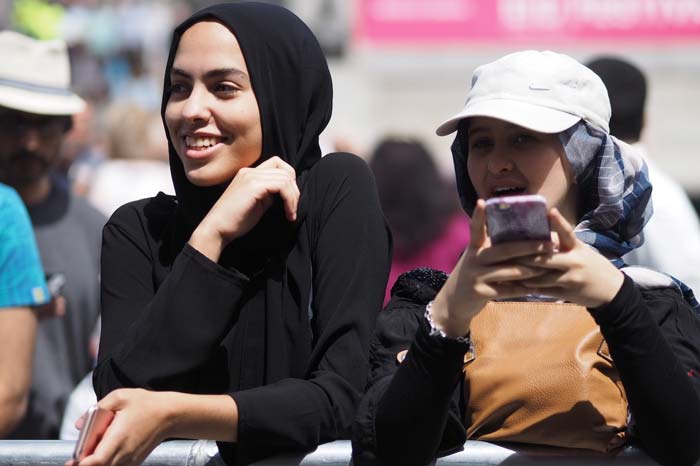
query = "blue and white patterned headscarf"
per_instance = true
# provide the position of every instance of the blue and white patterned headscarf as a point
(614, 189)
(614, 194)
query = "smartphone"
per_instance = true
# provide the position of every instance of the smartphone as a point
(96, 422)
(517, 218)
(55, 283)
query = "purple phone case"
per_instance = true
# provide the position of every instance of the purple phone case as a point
(517, 218)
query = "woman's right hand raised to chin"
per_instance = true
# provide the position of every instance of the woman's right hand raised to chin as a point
(483, 273)
(242, 205)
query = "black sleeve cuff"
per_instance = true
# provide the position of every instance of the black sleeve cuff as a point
(212, 266)
(627, 299)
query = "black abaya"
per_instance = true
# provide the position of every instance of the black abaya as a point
(282, 322)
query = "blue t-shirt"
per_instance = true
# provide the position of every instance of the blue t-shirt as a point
(22, 281)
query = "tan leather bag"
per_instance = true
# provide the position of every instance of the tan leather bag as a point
(541, 373)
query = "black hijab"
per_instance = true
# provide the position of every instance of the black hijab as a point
(268, 340)
(291, 82)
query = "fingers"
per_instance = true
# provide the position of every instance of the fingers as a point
(497, 282)
(554, 261)
(277, 181)
(80, 421)
(513, 250)
(510, 290)
(290, 198)
(274, 176)
(510, 273)
(59, 306)
(549, 279)
(478, 225)
(276, 162)
(564, 230)
(104, 453)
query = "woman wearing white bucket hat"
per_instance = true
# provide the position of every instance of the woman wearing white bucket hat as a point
(545, 342)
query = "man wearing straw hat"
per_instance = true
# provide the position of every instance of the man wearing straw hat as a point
(36, 105)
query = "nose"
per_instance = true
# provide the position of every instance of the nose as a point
(30, 138)
(500, 161)
(196, 106)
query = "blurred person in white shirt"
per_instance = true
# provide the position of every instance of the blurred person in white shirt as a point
(672, 236)
(137, 166)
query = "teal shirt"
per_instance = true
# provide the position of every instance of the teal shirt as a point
(22, 281)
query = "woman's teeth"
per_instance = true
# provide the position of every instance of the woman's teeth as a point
(194, 142)
(507, 191)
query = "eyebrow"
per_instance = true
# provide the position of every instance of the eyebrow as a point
(215, 73)
(508, 126)
(475, 129)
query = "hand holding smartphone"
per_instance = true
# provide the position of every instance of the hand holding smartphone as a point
(94, 426)
(517, 218)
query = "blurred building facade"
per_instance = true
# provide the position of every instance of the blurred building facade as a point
(410, 63)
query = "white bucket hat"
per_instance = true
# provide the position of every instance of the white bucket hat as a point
(35, 76)
(546, 92)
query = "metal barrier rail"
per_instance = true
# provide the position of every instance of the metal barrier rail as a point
(204, 453)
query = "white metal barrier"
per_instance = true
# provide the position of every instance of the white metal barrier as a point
(204, 453)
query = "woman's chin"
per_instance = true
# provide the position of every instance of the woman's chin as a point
(201, 178)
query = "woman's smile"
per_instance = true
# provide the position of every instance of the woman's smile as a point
(201, 146)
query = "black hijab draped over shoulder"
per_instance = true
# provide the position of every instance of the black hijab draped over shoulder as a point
(293, 89)
(291, 82)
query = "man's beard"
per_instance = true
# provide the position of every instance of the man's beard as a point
(23, 168)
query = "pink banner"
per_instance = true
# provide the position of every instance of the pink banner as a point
(551, 21)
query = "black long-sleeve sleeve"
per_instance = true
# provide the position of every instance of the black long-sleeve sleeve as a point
(350, 262)
(654, 338)
(411, 411)
(155, 336)
(655, 343)
(436, 361)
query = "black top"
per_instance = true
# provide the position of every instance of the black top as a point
(172, 319)
(414, 411)
(282, 322)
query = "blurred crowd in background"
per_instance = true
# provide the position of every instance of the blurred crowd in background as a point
(397, 65)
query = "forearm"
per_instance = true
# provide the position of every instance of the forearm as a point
(12, 409)
(211, 417)
(144, 418)
(17, 336)
(208, 242)
(156, 339)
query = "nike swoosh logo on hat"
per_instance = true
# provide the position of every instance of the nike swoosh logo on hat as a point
(538, 87)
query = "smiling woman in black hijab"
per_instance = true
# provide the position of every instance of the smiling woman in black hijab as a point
(244, 304)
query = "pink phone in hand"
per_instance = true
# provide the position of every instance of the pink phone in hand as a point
(517, 218)
(96, 422)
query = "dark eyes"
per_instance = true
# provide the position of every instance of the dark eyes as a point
(523, 138)
(179, 88)
(223, 89)
(480, 143)
(518, 140)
